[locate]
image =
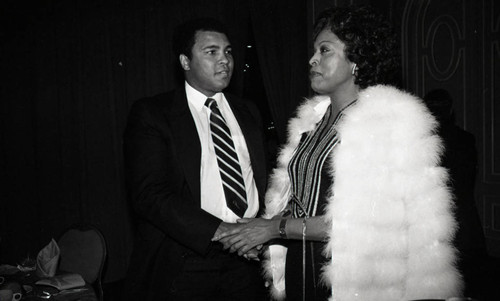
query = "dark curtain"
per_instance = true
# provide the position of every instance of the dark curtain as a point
(71, 70)
(280, 30)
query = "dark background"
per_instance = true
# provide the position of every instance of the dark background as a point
(71, 69)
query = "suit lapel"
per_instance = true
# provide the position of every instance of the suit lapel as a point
(186, 141)
(253, 139)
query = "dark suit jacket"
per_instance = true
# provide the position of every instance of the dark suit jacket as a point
(162, 160)
(460, 158)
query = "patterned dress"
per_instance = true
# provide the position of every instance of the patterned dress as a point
(310, 183)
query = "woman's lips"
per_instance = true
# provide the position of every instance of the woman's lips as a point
(314, 74)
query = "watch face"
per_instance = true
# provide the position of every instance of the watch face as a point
(282, 228)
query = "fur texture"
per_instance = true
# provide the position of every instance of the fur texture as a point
(390, 211)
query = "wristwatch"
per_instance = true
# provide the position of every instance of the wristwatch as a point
(282, 228)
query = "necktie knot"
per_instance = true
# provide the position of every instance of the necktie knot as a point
(211, 103)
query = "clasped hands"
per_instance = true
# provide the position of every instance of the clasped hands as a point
(247, 236)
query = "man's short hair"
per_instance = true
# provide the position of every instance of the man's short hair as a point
(185, 34)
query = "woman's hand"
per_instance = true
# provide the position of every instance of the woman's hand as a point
(254, 253)
(248, 234)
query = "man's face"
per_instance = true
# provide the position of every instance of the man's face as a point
(211, 66)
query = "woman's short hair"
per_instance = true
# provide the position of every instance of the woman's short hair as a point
(369, 41)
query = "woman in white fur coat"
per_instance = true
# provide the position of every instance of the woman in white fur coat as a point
(358, 207)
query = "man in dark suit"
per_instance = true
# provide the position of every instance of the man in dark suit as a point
(175, 184)
(460, 158)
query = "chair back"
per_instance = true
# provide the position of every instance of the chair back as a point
(83, 251)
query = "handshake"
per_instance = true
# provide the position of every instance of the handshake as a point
(248, 236)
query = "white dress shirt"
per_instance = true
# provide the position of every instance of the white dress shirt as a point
(212, 193)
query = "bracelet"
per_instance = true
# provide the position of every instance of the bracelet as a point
(283, 228)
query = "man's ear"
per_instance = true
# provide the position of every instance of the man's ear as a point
(184, 60)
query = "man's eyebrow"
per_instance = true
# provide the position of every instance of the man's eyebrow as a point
(211, 46)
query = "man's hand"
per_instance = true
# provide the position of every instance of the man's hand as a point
(247, 234)
(224, 229)
(254, 253)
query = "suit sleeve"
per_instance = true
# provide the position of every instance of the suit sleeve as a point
(156, 184)
(252, 127)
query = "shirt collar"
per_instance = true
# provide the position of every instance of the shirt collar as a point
(198, 99)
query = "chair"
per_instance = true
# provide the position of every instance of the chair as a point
(83, 251)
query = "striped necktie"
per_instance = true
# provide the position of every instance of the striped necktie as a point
(227, 159)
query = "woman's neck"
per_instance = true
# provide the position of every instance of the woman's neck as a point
(341, 100)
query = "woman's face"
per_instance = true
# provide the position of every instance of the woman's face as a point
(330, 70)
